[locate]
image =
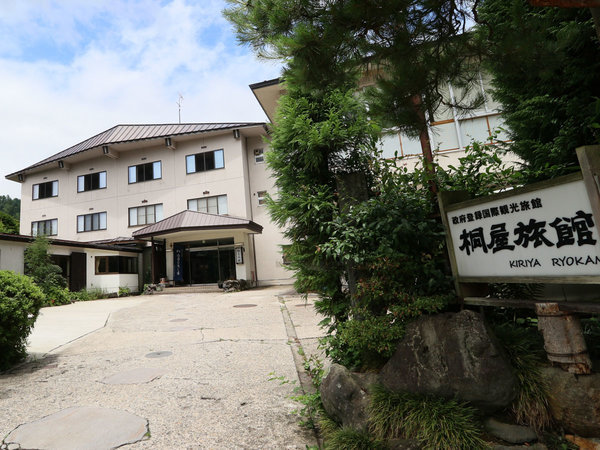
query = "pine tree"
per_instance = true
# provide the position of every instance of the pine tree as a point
(545, 64)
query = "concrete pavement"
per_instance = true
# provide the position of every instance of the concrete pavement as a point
(194, 367)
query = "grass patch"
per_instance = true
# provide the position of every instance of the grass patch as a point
(434, 422)
(526, 356)
(350, 439)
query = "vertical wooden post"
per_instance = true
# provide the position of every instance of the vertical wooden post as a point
(563, 338)
(589, 161)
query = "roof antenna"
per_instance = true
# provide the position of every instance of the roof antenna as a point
(179, 105)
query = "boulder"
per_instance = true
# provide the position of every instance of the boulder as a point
(452, 355)
(574, 401)
(515, 434)
(345, 396)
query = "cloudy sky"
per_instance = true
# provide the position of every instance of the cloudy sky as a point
(70, 69)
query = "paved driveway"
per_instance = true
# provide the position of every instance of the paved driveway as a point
(207, 359)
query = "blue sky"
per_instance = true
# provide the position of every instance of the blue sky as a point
(70, 69)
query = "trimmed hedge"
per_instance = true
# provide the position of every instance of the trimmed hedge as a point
(20, 303)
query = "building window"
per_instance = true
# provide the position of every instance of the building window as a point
(45, 190)
(116, 264)
(91, 181)
(259, 156)
(47, 227)
(201, 162)
(261, 196)
(211, 205)
(145, 172)
(91, 222)
(145, 215)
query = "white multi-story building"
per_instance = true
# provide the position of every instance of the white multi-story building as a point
(191, 196)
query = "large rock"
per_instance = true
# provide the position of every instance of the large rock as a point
(452, 355)
(575, 401)
(345, 396)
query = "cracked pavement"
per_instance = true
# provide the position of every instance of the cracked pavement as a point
(215, 359)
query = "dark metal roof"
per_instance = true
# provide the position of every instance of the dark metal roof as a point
(65, 243)
(266, 83)
(131, 133)
(194, 221)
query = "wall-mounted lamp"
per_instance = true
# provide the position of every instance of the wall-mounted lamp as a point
(61, 164)
(144, 201)
(206, 193)
(236, 133)
(21, 177)
(105, 149)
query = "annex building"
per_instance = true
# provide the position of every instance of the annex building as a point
(182, 202)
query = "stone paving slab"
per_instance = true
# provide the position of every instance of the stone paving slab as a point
(214, 391)
(80, 428)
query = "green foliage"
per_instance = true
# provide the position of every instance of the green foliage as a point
(526, 355)
(8, 224)
(369, 342)
(434, 422)
(20, 303)
(545, 64)
(408, 47)
(10, 206)
(85, 295)
(46, 274)
(350, 439)
(124, 291)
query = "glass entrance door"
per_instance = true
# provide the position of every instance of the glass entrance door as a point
(211, 266)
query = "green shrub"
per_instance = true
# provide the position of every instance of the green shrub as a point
(124, 291)
(85, 295)
(435, 422)
(46, 274)
(56, 296)
(20, 303)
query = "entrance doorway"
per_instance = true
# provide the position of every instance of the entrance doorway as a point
(208, 261)
(211, 266)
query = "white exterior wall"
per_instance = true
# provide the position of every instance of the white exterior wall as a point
(12, 256)
(240, 179)
(172, 190)
(268, 256)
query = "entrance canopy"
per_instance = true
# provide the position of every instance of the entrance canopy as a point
(197, 221)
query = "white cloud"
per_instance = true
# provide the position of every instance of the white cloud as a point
(71, 69)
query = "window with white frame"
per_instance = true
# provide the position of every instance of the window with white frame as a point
(145, 172)
(47, 227)
(201, 162)
(261, 197)
(45, 190)
(259, 156)
(212, 205)
(91, 181)
(91, 222)
(145, 215)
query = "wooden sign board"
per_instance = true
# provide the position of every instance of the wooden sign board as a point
(541, 233)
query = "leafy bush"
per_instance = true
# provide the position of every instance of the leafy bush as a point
(88, 294)
(20, 303)
(46, 274)
(124, 291)
(436, 423)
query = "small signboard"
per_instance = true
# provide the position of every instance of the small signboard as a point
(539, 231)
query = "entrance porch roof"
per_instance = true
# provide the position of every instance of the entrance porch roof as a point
(196, 221)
